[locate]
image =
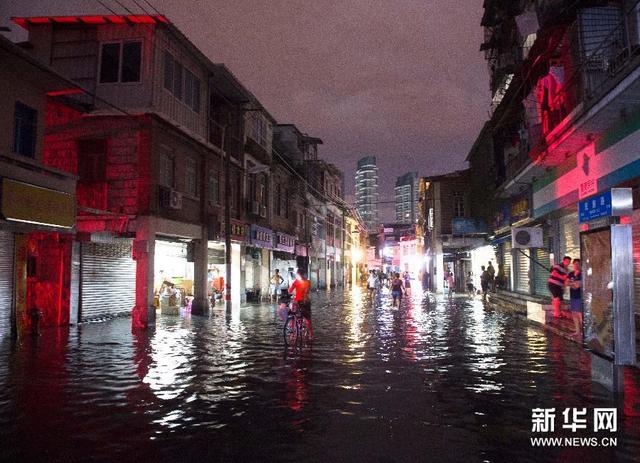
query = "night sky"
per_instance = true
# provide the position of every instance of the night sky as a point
(400, 79)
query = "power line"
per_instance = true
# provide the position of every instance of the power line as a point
(338, 202)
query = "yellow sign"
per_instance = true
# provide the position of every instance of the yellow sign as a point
(23, 202)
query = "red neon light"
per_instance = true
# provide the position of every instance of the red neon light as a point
(41, 20)
(116, 19)
(66, 91)
(93, 19)
(20, 22)
(141, 19)
(113, 19)
(65, 19)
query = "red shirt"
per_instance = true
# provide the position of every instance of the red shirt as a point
(301, 288)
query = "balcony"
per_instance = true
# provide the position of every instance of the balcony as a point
(257, 151)
(228, 139)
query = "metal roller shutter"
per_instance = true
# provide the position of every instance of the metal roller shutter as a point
(6, 282)
(521, 272)
(635, 223)
(569, 237)
(108, 280)
(506, 263)
(541, 275)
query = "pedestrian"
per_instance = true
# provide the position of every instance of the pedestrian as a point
(492, 277)
(381, 278)
(450, 281)
(556, 283)
(425, 281)
(275, 284)
(397, 288)
(484, 282)
(575, 297)
(470, 287)
(407, 283)
(372, 283)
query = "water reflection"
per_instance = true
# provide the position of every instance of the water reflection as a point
(451, 378)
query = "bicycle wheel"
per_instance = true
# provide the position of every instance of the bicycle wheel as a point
(303, 334)
(290, 330)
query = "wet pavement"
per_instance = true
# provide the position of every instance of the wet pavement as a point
(445, 381)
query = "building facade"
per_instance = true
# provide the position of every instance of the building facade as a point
(38, 201)
(565, 80)
(406, 197)
(367, 192)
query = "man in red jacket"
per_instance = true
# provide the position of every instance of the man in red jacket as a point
(301, 300)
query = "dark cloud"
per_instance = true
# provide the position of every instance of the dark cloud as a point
(399, 79)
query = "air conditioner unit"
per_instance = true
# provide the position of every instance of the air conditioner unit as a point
(255, 207)
(263, 211)
(526, 237)
(175, 200)
(170, 198)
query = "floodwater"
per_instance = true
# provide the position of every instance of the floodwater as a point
(445, 381)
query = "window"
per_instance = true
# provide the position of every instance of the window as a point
(168, 71)
(25, 121)
(458, 204)
(177, 80)
(131, 59)
(167, 170)
(188, 88)
(120, 62)
(191, 179)
(181, 82)
(191, 91)
(110, 62)
(92, 160)
(214, 186)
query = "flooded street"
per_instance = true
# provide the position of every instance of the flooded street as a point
(445, 381)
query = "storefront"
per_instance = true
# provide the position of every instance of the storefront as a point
(107, 277)
(6, 281)
(284, 258)
(257, 263)
(173, 275)
(216, 271)
(480, 257)
(35, 254)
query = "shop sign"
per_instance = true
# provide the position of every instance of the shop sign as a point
(23, 202)
(588, 188)
(520, 209)
(503, 217)
(612, 203)
(595, 207)
(238, 231)
(430, 219)
(467, 226)
(261, 237)
(286, 243)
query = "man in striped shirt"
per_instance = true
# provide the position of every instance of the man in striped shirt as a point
(556, 283)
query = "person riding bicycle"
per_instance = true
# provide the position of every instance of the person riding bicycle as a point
(301, 301)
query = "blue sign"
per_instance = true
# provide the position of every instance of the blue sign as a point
(595, 207)
(466, 226)
(261, 237)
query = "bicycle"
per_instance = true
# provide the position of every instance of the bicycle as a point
(295, 327)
